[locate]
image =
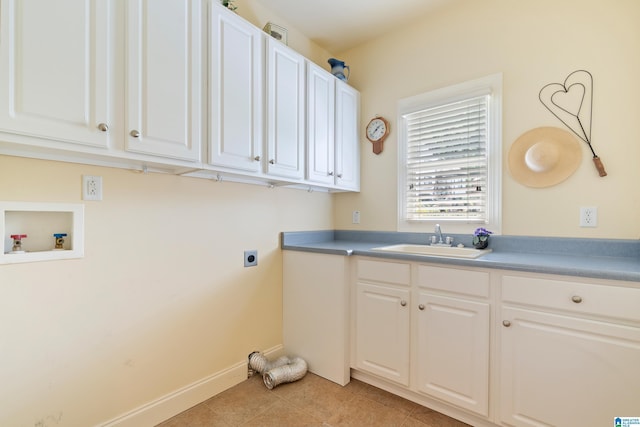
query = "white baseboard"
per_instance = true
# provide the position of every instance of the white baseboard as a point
(178, 401)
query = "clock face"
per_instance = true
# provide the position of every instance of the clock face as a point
(376, 129)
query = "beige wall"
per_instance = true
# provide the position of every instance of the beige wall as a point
(160, 300)
(532, 43)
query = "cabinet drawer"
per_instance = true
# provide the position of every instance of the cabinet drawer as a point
(381, 271)
(601, 300)
(474, 283)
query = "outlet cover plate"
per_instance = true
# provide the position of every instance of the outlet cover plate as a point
(91, 187)
(589, 216)
(250, 258)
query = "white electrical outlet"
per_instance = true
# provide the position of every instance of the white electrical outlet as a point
(91, 187)
(355, 218)
(589, 216)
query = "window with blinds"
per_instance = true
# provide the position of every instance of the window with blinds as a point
(450, 157)
(446, 161)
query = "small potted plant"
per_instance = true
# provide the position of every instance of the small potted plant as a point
(481, 238)
(229, 4)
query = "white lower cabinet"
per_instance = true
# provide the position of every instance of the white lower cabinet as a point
(491, 347)
(382, 325)
(450, 340)
(569, 352)
(453, 341)
(453, 351)
(382, 319)
(452, 347)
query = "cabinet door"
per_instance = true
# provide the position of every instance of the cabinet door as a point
(285, 111)
(235, 78)
(320, 125)
(164, 78)
(563, 371)
(347, 148)
(56, 70)
(453, 351)
(382, 331)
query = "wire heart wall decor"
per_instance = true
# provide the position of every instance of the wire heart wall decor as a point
(572, 103)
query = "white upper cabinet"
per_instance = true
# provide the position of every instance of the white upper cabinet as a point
(236, 60)
(347, 147)
(179, 86)
(333, 154)
(285, 111)
(56, 70)
(164, 78)
(62, 78)
(321, 125)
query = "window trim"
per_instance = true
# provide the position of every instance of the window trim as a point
(478, 87)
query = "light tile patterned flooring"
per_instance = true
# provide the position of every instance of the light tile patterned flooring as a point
(311, 401)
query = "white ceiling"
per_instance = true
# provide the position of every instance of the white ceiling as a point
(337, 25)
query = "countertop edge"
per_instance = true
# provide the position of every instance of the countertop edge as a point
(577, 265)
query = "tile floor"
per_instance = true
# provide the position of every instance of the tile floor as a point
(312, 401)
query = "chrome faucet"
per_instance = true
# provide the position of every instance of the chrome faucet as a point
(438, 240)
(439, 234)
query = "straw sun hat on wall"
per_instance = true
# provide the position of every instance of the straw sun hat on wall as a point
(544, 156)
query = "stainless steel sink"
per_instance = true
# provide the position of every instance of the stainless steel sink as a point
(428, 250)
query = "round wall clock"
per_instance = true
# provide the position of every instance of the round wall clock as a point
(377, 132)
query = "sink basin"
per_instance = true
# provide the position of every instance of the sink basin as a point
(428, 250)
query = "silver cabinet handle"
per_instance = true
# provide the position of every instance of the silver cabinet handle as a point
(421, 307)
(256, 158)
(577, 299)
(330, 173)
(103, 127)
(339, 175)
(134, 133)
(403, 303)
(506, 323)
(272, 162)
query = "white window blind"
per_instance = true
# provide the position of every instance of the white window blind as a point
(447, 163)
